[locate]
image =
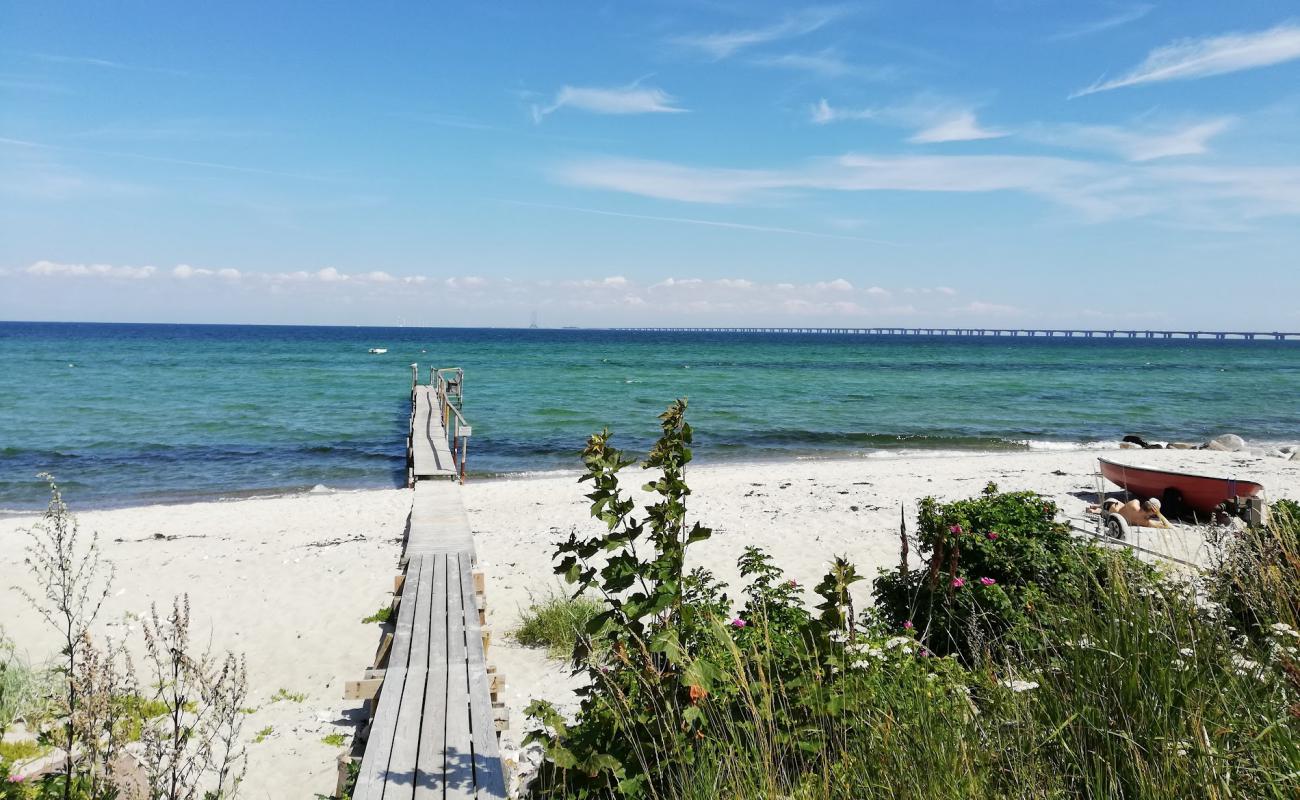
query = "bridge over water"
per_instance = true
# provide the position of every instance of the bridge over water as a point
(1044, 333)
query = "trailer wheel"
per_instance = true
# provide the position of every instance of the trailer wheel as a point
(1116, 526)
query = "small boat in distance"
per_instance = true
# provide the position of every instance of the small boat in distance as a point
(1200, 493)
(378, 351)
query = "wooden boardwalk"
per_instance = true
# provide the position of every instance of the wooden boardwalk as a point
(430, 453)
(434, 729)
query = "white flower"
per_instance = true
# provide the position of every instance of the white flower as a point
(897, 641)
(1020, 686)
(1241, 662)
(1283, 629)
(1186, 652)
(1179, 664)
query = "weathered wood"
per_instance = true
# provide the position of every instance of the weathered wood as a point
(429, 783)
(458, 751)
(385, 645)
(430, 452)
(374, 764)
(398, 580)
(362, 690)
(439, 523)
(402, 633)
(489, 776)
(406, 739)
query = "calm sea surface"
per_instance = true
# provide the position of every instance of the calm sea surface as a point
(125, 414)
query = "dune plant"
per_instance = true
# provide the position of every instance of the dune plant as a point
(556, 622)
(1086, 674)
(72, 580)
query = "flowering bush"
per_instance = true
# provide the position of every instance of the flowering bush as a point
(986, 562)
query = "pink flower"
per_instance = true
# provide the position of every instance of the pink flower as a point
(987, 581)
(792, 583)
(738, 623)
(925, 653)
(907, 626)
(993, 536)
(957, 583)
(955, 530)
(17, 778)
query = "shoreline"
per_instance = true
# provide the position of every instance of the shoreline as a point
(707, 461)
(287, 580)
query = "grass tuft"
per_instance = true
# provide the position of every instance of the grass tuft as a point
(555, 623)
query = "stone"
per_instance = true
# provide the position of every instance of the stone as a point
(1295, 456)
(1228, 443)
(1181, 446)
(1129, 446)
(1133, 438)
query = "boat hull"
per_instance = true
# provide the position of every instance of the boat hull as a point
(1198, 492)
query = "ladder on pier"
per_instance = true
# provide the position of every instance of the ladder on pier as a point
(434, 732)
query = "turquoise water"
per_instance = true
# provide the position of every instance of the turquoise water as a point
(130, 413)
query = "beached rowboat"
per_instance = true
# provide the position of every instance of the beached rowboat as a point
(1174, 489)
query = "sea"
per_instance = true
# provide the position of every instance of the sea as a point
(126, 414)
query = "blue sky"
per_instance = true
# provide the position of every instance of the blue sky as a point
(1001, 164)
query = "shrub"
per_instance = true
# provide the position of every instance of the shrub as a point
(556, 623)
(987, 562)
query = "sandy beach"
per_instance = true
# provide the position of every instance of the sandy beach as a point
(288, 580)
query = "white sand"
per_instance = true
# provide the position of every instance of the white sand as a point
(287, 580)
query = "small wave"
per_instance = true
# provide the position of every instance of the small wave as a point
(1034, 444)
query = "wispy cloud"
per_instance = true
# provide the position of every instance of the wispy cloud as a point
(630, 99)
(828, 64)
(1120, 18)
(1096, 191)
(1214, 55)
(823, 113)
(959, 126)
(737, 226)
(936, 120)
(725, 44)
(102, 63)
(1140, 143)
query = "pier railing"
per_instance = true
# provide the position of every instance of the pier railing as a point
(448, 384)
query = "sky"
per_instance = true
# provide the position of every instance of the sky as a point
(990, 163)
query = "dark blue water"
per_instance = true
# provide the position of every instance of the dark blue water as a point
(129, 413)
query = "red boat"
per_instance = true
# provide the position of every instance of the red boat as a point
(1197, 492)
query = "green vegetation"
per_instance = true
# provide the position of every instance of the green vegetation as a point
(90, 705)
(556, 623)
(292, 697)
(263, 734)
(383, 615)
(20, 751)
(1016, 661)
(335, 739)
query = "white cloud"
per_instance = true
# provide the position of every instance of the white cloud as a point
(936, 119)
(989, 309)
(823, 113)
(1098, 191)
(727, 43)
(826, 63)
(1145, 143)
(960, 126)
(54, 269)
(877, 291)
(630, 99)
(1212, 55)
(229, 274)
(467, 282)
(330, 275)
(378, 276)
(1124, 17)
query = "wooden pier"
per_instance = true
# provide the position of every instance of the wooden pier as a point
(431, 693)
(1029, 333)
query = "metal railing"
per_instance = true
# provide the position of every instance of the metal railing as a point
(447, 384)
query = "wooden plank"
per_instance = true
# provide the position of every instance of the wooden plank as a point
(488, 772)
(458, 751)
(401, 650)
(438, 521)
(429, 784)
(406, 739)
(362, 690)
(374, 764)
(430, 453)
